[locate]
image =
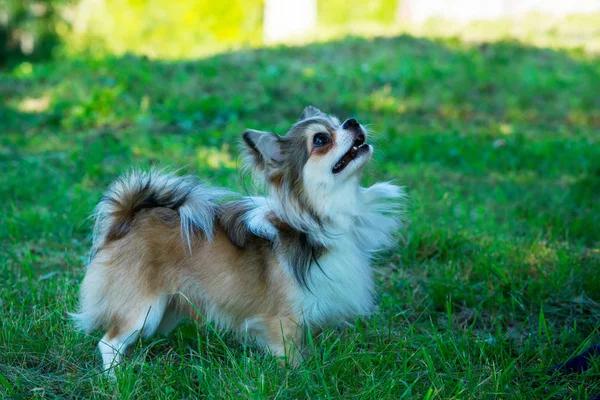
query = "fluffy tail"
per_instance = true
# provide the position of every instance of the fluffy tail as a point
(137, 190)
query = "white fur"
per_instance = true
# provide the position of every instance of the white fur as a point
(343, 287)
(359, 222)
(112, 349)
(256, 219)
(198, 211)
(364, 221)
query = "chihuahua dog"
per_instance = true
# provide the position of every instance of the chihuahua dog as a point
(275, 267)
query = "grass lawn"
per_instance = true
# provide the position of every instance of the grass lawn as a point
(497, 277)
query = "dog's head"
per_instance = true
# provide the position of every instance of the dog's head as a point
(314, 169)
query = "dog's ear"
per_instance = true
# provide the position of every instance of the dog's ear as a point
(263, 148)
(310, 112)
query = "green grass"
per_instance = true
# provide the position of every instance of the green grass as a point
(497, 277)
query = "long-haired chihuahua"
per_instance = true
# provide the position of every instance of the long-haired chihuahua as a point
(298, 259)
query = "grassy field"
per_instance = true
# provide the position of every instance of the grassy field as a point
(497, 277)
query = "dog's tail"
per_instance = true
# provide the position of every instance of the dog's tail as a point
(135, 191)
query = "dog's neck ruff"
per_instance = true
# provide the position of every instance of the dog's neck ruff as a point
(339, 282)
(372, 219)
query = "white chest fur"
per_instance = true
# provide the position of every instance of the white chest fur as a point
(342, 288)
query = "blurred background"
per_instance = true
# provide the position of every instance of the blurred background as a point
(487, 111)
(35, 29)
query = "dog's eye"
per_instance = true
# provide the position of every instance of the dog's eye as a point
(321, 139)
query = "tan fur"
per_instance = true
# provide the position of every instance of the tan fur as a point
(151, 261)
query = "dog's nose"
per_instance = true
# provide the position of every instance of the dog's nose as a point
(350, 123)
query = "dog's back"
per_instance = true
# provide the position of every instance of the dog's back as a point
(151, 265)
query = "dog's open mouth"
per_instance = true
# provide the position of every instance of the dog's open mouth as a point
(358, 148)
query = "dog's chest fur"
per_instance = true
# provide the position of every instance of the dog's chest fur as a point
(340, 288)
(339, 283)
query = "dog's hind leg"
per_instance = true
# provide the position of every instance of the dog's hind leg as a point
(125, 331)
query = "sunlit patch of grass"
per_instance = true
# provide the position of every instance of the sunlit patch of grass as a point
(34, 105)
